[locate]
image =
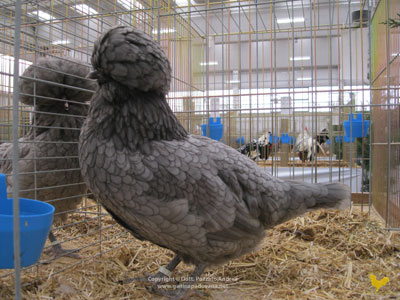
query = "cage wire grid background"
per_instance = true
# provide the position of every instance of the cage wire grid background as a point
(261, 66)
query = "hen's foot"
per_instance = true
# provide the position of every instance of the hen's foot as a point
(184, 290)
(58, 251)
(162, 276)
(179, 294)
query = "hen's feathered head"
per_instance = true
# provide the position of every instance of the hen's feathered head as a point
(131, 58)
(64, 72)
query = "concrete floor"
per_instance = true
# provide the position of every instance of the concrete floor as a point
(349, 176)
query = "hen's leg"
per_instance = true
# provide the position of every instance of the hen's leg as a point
(187, 287)
(163, 272)
(59, 251)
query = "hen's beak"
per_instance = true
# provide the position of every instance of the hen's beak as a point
(93, 75)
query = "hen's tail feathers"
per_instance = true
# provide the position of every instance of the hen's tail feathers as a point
(338, 197)
(301, 197)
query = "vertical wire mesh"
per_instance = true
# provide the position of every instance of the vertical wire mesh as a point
(323, 86)
(278, 66)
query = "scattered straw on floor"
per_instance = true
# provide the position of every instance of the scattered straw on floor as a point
(322, 255)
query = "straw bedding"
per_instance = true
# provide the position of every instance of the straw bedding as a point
(321, 255)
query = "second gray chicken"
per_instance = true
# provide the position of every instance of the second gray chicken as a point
(49, 165)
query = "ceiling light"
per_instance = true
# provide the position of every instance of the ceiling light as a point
(292, 20)
(84, 9)
(183, 2)
(165, 30)
(44, 16)
(211, 63)
(296, 58)
(233, 81)
(131, 4)
(61, 42)
(304, 78)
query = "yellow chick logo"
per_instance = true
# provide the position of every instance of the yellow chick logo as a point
(378, 283)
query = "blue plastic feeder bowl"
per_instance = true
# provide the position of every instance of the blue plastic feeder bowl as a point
(339, 139)
(286, 138)
(240, 140)
(36, 218)
(354, 127)
(216, 129)
(273, 139)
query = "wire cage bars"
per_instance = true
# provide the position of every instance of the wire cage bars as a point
(263, 67)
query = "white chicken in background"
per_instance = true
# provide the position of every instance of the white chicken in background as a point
(307, 146)
(264, 139)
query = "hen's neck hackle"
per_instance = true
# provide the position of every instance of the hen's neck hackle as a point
(132, 118)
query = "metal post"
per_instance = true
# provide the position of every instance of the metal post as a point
(240, 74)
(293, 100)
(352, 111)
(330, 126)
(207, 61)
(15, 175)
(190, 125)
(370, 111)
(388, 53)
(257, 80)
(313, 176)
(273, 120)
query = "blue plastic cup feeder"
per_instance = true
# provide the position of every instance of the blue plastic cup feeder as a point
(286, 138)
(353, 128)
(36, 218)
(339, 139)
(273, 139)
(240, 140)
(216, 129)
